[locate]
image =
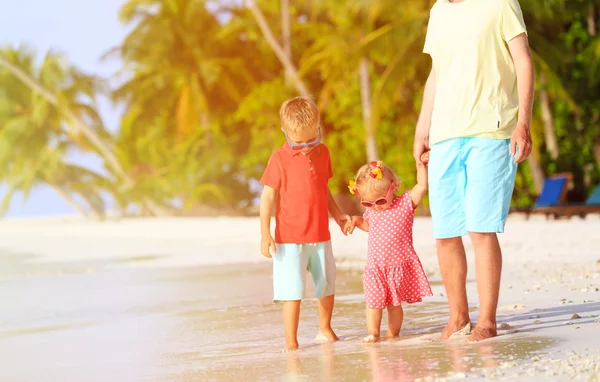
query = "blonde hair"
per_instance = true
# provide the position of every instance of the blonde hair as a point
(365, 182)
(299, 114)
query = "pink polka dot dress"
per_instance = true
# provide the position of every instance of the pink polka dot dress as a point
(393, 272)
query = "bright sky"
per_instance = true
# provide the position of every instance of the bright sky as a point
(81, 29)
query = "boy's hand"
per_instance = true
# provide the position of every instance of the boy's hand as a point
(345, 224)
(356, 220)
(266, 245)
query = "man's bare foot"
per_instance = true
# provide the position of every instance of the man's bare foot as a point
(370, 338)
(453, 330)
(326, 335)
(482, 333)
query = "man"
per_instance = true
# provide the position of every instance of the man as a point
(481, 76)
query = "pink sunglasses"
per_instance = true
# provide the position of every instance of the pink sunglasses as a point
(380, 201)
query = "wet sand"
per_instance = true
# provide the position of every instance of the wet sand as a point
(178, 300)
(99, 321)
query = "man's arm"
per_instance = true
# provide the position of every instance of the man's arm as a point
(424, 123)
(521, 55)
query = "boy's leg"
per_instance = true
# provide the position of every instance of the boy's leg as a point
(447, 182)
(325, 313)
(322, 268)
(291, 317)
(289, 274)
(373, 324)
(395, 318)
(491, 176)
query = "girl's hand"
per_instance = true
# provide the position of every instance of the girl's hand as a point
(425, 157)
(267, 244)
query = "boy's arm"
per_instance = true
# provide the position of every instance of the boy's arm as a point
(267, 198)
(521, 138)
(341, 219)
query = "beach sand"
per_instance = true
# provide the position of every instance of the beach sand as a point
(190, 299)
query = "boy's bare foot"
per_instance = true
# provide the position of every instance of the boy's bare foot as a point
(482, 333)
(290, 347)
(370, 338)
(453, 330)
(326, 335)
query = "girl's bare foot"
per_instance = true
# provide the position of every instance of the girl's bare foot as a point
(326, 335)
(370, 338)
(389, 336)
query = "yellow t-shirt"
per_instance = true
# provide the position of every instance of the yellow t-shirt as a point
(476, 82)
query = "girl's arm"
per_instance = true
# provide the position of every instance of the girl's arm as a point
(360, 222)
(420, 189)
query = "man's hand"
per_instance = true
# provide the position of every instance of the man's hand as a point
(420, 147)
(521, 139)
(267, 246)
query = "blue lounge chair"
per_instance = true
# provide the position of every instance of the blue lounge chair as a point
(553, 193)
(591, 206)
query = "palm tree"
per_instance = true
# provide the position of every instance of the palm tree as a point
(62, 87)
(35, 140)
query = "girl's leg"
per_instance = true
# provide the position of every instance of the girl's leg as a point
(291, 316)
(395, 318)
(373, 324)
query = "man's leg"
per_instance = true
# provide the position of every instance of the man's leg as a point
(491, 174)
(488, 262)
(447, 182)
(453, 266)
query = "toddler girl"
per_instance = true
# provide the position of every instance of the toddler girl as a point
(393, 272)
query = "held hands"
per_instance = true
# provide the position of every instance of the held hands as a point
(349, 224)
(267, 246)
(345, 224)
(424, 158)
(421, 146)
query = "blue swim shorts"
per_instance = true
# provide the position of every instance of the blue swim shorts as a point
(471, 181)
(290, 263)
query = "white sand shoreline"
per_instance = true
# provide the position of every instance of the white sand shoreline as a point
(551, 270)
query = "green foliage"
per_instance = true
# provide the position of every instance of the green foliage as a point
(201, 90)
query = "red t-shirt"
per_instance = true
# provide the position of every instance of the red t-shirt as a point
(302, 214)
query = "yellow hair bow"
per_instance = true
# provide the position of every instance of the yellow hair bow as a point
(377, 170)
(352, 187)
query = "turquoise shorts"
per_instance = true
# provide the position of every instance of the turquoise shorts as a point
(471, 181)
(290, 263)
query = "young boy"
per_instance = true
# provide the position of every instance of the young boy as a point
(299, 172)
